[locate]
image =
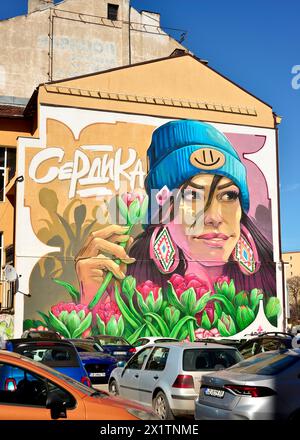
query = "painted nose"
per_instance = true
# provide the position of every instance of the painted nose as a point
(213, 216)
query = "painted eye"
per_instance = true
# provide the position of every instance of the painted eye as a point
(229, 196)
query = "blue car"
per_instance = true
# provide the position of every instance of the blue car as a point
(97, 363)
(115, 346)
(60, 355)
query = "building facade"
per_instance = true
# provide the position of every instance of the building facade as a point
(75, 37)
(91, 257)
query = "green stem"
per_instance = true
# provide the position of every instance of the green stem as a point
(107, 279)
(191, 330)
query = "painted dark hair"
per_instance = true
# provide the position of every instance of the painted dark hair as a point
(145, 268)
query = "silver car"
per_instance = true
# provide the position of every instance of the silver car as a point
(167, 376)
(264, 387)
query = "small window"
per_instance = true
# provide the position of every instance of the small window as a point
(158, 359)
(137, 361)
(112, 11)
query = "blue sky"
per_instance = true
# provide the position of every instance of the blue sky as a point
(256, 44)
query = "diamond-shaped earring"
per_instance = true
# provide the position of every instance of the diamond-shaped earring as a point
(245, 253)
(163, 250)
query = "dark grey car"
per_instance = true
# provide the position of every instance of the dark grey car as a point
(263, 387)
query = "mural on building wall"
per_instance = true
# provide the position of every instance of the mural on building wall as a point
(181, 249)
(6, 326)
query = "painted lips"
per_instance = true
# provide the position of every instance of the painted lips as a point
(213, 239)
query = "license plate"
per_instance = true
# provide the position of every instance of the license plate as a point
(120, 352)
(97, 374)
(214, 393)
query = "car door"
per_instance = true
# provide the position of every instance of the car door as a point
(129, 379)
(23, 395)
(151, 374)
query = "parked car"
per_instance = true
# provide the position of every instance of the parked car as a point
(97, 363)
(60, 355)
(265, 342)
(142, 342)
(266, 386)
(42, 393)
(167, 376)
(115, 346)
(42, 334)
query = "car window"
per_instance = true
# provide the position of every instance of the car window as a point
(250, 349)
(21, 387)
(209, 359)
(52, 355)
(83, 346)
(159, 341)
(266, 363)
(137, 361)
(271, 344)
(112, 341)
(158, 359)
(140, 342)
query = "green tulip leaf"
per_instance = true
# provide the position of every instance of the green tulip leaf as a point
(73, 322)
(201, 303)
(222, 329)
(121, 326)
(205, 322)
(59, 326)
(84, 325)
(112, 327)
(134, 212)
(226, 303)
(122, 208)
(144, 208)
(153, 331)
(101, 326)
(244, 317)
(142, 305)
(127, 314)
(75, 295)
(273, 308)
(164, 330)
(134, 336)
(175, 331)
(172, 298)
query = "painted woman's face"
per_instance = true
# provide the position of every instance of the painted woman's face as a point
(213, 234)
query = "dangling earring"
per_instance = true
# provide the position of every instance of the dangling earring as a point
(163, 251)
(245, 253)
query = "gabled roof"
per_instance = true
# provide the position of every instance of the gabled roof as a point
(180, 86)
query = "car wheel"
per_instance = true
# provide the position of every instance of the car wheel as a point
(113, 388)
(161, 407)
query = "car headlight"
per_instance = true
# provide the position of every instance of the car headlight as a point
(143, 415)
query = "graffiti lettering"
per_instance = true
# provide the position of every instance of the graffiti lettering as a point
(91, 174)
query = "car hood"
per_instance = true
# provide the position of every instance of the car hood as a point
(87, 356)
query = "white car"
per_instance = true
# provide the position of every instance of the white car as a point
(142, 342)
(167, 376)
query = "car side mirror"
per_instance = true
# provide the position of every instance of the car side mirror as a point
(121, 364)
(57, 405)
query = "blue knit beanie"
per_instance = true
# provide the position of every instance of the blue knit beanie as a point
(182, 149)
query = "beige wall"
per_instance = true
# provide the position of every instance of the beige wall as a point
(292, 268)
(82, 42)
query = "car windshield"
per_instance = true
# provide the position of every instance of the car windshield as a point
(209, 359)
(83, 346)
(112, 341)
(268, 364)
(51, 353)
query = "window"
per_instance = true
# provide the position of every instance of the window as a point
(137, 361)
(112, 11)
(19, 386)
(158, 359)
(211, 359)
(7, 289)
(7, 168)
